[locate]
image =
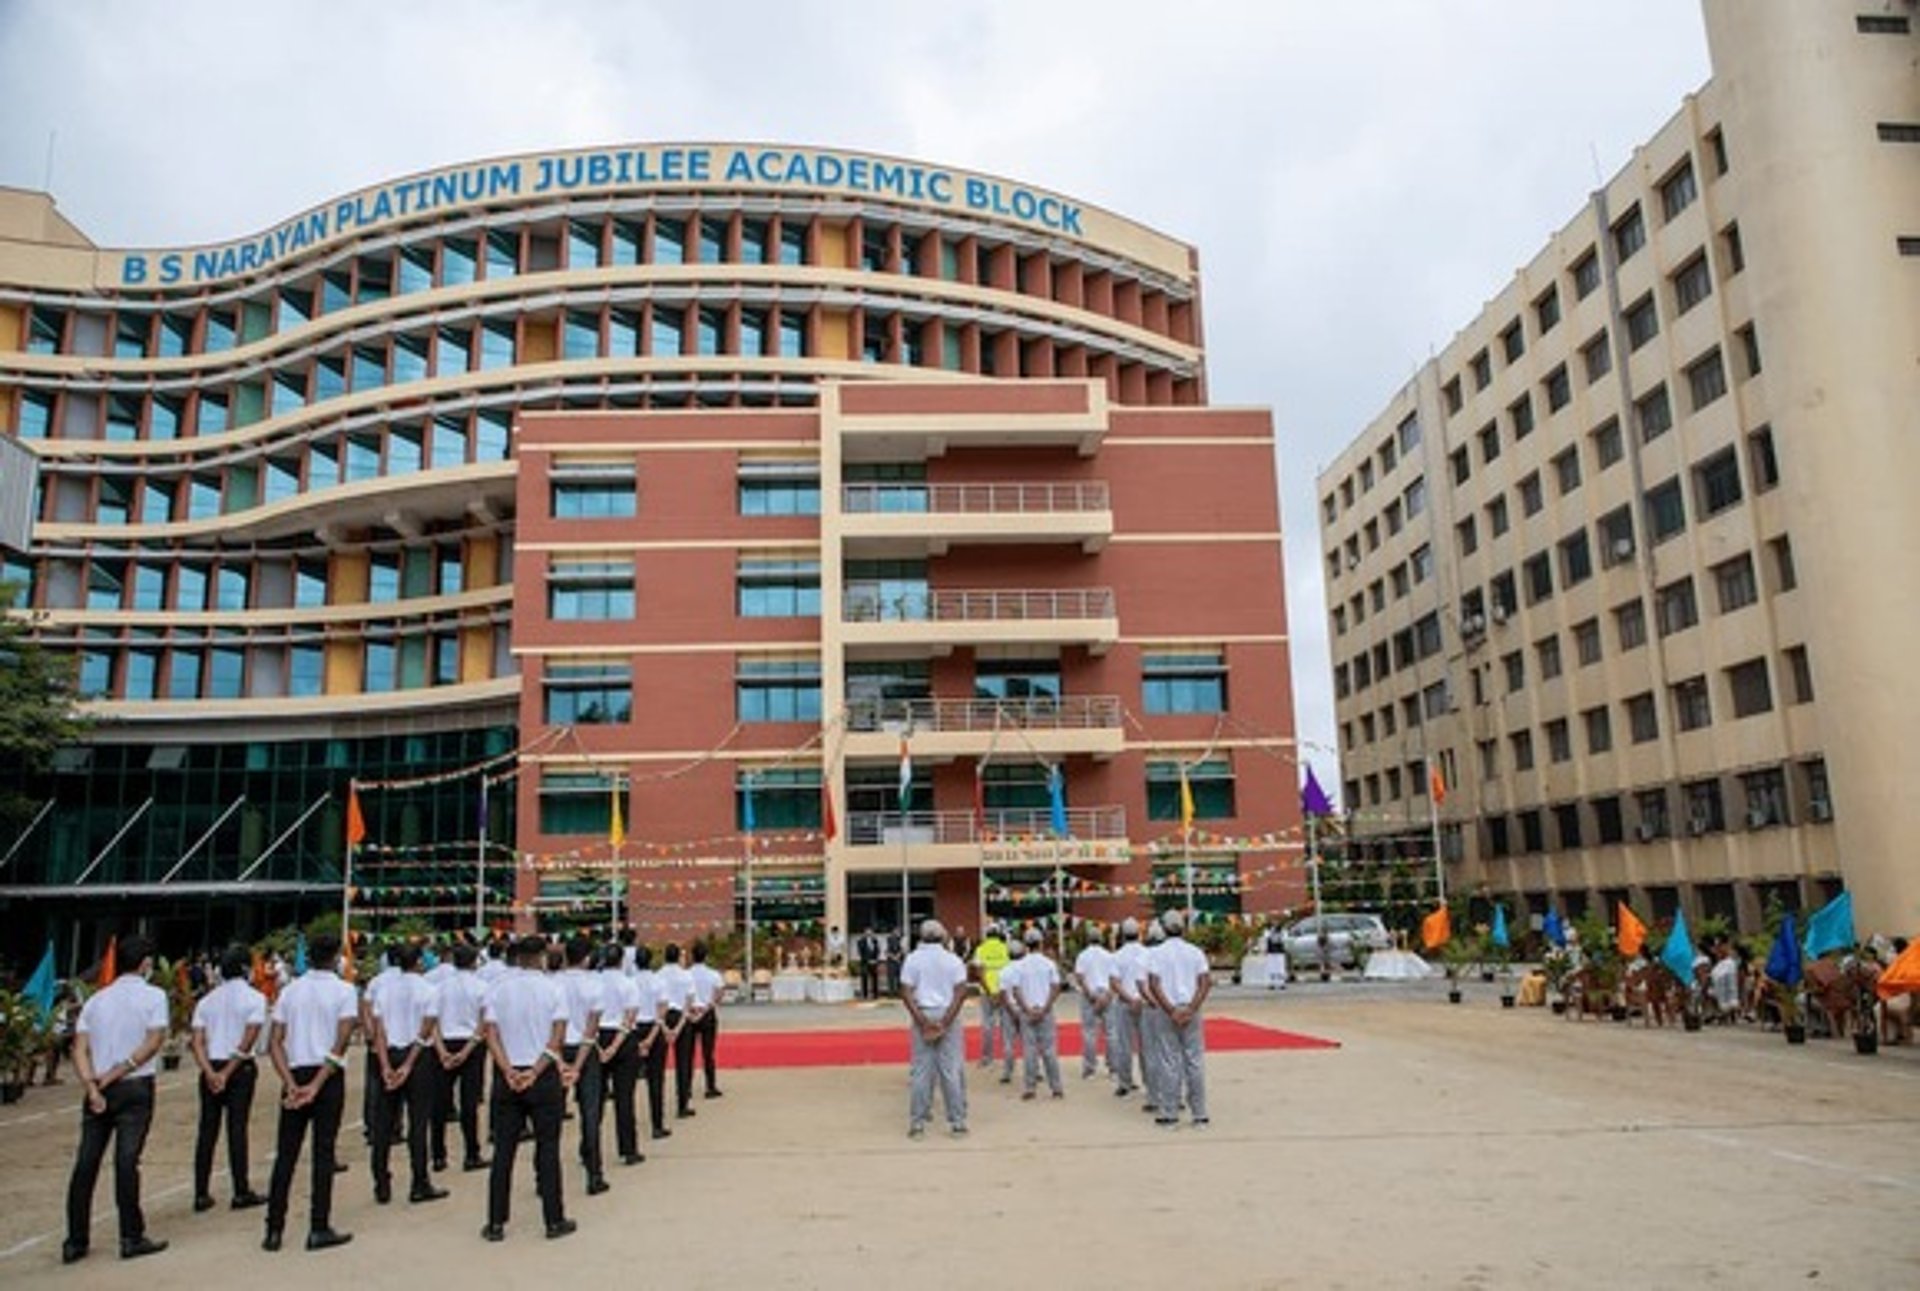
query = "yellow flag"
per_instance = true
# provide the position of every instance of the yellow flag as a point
(617, 831)
(1186, 800)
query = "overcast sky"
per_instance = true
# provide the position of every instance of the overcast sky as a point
(1358, 178)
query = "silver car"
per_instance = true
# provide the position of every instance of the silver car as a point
(1342, 931)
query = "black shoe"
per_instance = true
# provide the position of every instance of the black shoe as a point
(139, 1246)
(632, 1158)
(271, 1242)
(247, 1201)
(72, 1252)
(686, 1112)
(383, 1192)
(439, 1164)
(714, 1093)
(340, 1167)
(321, 1238)
(494, 1232)
(663, 1134)
(475, 1163)
(596, 1186)
(561, 1229)
(427, 1193)
(202, 1203)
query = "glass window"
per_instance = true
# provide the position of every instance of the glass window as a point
(1706, 379)
(1586, 641)
(777, 588)
(1717, 483)
(623, 333)
(289, 392)
(753, 241)
(416, 269)
(669, 241)
(381, 667)
(222, 328)
(582, 339)
(1576, 559)
(36, 414)
(590, 590)
(211, 414)
(783, 798)
(1643, 322)
(491, 432)
(793, 241)
(403, 450)
(578, 802)
(1546, 309)
(203, 497)
(1629, 234)
(123, 417)
(1597, 355)
(226, 674)
(409, 358)
(594, 493)
(1643, 718)
(1183, 682)
(1608, 447)
(376, 281)
(777, 690)
(668, 331)
(1678, 190)
(713, 240)
(282, 479)
(1692, 283)
(712, 327)
(1752, 690)
(1735, 583)
(323, 467)
(1630, 624)
(753, 331)
(1766, 793)
(383, 577)
(459, 261)
(626, 243)
(130, 336)
(296, 309)
(363, 456)
(306, 671)
(230, 587)
(369, 367)
(793, 334)
(582, 694)
(1678, 608)
(1692, 707)
(1209, 782)
(779, 488)
(449, 442)
(329, 378)
(183, 675)
(583, 245)
(1654, 412)
(142, 674)
(149, 587)
(503, 253)
(156, 502)
(497, 346)
(455, 351)
(1599, 724)
(309, 583)
(189, 587)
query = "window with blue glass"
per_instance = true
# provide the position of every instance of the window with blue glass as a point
(669, 241)
(455, 351)
(409, 358)
(449, 572)
(1017, 787)
(459, 261)
(116, 502)
(490, 436)
(416, 269)
(874, 251)
(403, 450)
(156, 502)
(1191, 682)
(336, 290)
(582, 336)
(892, 487)
(1015, 681)
(222, 329)
(230, 587)
(913, 347)
(627, 238)
(363, 456)
(282, 477)
(669, 330)
(44, 328)
(289, 392)
(793, 335)
(140, 674)
(584, 591)
(382, 667)
(496, 346)
(369, 367)
(584, 694)
(375, 281)
(189, 588)
(130, 336)
(503, 253)
(579, 802)
(777, 690)
(777, 588)
(449, 442)
(296, 308)
(183, 674)
(713, 239)
(583, 245)
(446, 659)
(226, 674)
(36, 414)
(96, 673)
(149, 587)
(309, 583)
(176, 333)
(329, 377)
(105, 584)
(623, 333)
(753, 331)
(754, 235)
(779, 488)
(783, 798)
(887, 590)
(123, 417)
(712, 329)
(306, 671)
(323, 467)
(589, 491)
(210, 417)
(1210, 782)
(793, 242)
(383, 577)
(163, 417)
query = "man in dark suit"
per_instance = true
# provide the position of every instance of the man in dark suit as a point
(869, 951)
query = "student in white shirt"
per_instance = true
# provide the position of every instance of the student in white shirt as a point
(1123, 1038)
(313, 1023)
(1093, 980)
(227, 1023)
(389, 960)
(620, 1051)
(461, 1052)
(580, 1051)
(1178, 983)
(933, 985)
(676, 987)
(1153, 1022)
(121, 1028)
(705, 1023)
(651, 1041)
(403, 1019)
(1034, 991)
(526, 1023)
(1009, 1007)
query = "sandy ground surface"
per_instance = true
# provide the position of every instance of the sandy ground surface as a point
(1438, 1147)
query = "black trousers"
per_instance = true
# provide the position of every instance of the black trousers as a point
(128, 1113)
(653, 1070)
(682, 1062)
(413, 1102)
(705, 1033)
(869, 979)
(542, 1105)
(458, 1092)
(234, 1104)
(590, 1100)
(322, 1117)
(623, 1074)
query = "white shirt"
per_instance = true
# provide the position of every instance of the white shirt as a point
(116, 1020)
(457, 1005)
(491, 970)
(675, 985)
(1009, 975)
(646, 986)
(523, 1006)
(1038, 977)
(1129, 968)
(585, 997)
(404, 1006)
(706, 985)
(933, 973)
(1179, 965)
(621, 997)
(382, 983)
(225, 1013)
(1094, 967)
(311, 1010)
(437, 975)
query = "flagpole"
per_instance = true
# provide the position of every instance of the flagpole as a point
(1433, 809)
(346, 869)
(906, 802)
(1313, 872)
(480, 868)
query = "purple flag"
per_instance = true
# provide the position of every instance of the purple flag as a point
(1313, 799)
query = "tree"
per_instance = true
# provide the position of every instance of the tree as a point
(38, 692)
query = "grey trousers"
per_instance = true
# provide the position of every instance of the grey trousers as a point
(989, 1027)
(1155, 1040)
(1123, 1045)
(944, 1059)
(1042, 1040)
(1093, 1033)
(1010, 1030)
(1184, 1067)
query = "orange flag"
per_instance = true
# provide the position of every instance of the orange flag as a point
(1436, 929)
(1436, 784)
(109, 962)
(349, 969)
(1902, 976)
(356, 823)
(263, 981)
(1633, 933)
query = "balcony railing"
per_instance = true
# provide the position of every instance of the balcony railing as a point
(865, 603)
(942, 716)
(884, 828)
(974, 499)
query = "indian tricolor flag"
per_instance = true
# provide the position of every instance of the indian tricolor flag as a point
(906, 777)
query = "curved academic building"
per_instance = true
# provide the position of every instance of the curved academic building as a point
(660, 532)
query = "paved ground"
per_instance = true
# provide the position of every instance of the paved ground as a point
(1439, 1147)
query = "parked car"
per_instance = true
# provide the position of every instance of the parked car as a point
(1342, 932)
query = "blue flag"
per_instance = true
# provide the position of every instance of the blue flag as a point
(1831, 927)
(1057, 799)
(299, 954)
(1783, 962)
(1499, 935)
(746, 804)
(1555, 930)
(1313, 799)
(1677, 954)
(39, 987)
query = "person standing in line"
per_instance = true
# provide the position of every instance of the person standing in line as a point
(1276, 946)
(121, 1028)
(836, 949)
(525, 1021)
(1178, 983)
(227, 1023)
(705, 1023)
(896, 957)
(989, 959)
(580, 1051)
(1093, 979)
(619, 1052)
(313, 1023)
(933, 986)
(389, 959)
(676, 988)
(403, 1022)
(463, 1065)
(1129, 979)
(1009, 1007)
(1153, 1024)
(868, 950)
(962, 944)
(651, 1040)
(1033, 993)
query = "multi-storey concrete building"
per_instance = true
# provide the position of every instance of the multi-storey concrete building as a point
(271, 491)
(1624, 559)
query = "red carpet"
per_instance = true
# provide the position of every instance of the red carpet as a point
(888, 1045)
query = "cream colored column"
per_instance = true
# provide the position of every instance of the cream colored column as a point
(833, 661)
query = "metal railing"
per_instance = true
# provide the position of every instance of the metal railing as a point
(893, 828)
(865, 603)
(1035, 713)
(974, 499)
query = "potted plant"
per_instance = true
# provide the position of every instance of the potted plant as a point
(22, 1042)
(1557, 966)
(1791, 1003)
(1861, 976)
(171, 977)
(1455, 957)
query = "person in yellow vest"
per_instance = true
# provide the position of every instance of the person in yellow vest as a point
(989, 957)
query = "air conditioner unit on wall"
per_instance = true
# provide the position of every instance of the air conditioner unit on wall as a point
(1647, 831)
(1697, 826)
(1622, 548)
(1820, 809)
(1500, 613)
